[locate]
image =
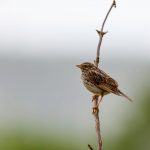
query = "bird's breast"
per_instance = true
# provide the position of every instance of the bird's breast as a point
(92, 88)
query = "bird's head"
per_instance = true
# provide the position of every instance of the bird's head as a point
(85, 66)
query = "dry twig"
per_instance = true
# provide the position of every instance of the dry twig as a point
(95, 98)
(89, 146)
(102, 33)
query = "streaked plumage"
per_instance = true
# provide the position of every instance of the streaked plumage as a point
(98, 82)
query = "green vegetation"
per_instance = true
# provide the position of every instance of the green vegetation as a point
(135, 137)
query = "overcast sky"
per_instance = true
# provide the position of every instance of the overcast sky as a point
(62, 27)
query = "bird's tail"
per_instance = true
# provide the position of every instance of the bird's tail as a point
(122, 94)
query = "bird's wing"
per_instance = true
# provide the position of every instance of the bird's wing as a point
(103, 81)
(94, 77)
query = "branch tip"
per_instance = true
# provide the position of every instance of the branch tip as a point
(101, 33)
(114, 3)
(90, 147)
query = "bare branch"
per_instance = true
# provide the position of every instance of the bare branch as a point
(102, 33)
(96, 101)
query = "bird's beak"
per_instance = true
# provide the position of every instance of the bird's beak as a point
(79, 66)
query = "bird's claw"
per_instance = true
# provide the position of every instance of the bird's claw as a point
(95, 97)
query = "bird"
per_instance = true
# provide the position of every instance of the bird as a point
(98, 82)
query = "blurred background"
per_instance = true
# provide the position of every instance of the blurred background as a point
(43, 104)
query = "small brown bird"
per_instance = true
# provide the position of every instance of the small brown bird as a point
(98, 82)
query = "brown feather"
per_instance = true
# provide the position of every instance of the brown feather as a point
(98, 82)
(122, 94)
(102, 80)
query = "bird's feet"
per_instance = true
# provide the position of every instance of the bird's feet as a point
(95, 97)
